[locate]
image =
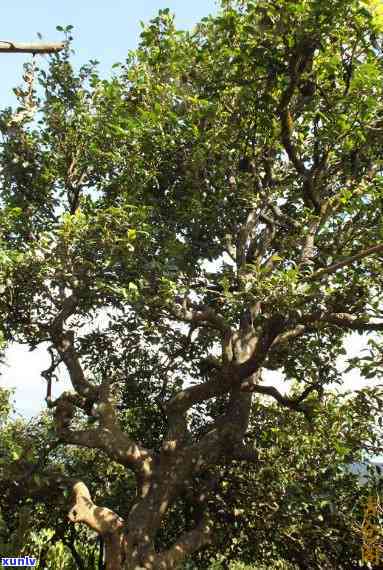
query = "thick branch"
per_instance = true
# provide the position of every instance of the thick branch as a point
(226, 378)
(199, 316)
(273, 327)
(105, 522)
(94, 400)
(308, 250)
(64, 344)
(300, 61)
(115, 443)
(185, 399)
(345, 320)
(284, 217)
(225, 436)
(259, 246)
(297, 65)
(26, 479)
(288, 335)
(335, 266)
(188, 543)
(244, 235)
(287, 140)
(16, 47)
(99, 519)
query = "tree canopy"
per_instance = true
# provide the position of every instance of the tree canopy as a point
(211, 212)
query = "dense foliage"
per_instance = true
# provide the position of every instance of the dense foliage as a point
(210, 213)
(301, 506)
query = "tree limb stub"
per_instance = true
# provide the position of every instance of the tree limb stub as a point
(17, 47)
(108, 524)
(99, 519)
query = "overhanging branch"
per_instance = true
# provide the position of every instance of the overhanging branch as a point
(17, 47)
(335, 266)
(292, 403)
(347, 321)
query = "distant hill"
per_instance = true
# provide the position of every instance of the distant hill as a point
(364, 469)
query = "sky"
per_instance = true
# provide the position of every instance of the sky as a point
(105, 31)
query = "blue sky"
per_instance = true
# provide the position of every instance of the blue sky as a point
(105, 31)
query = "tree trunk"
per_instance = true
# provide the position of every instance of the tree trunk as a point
(129, 544)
